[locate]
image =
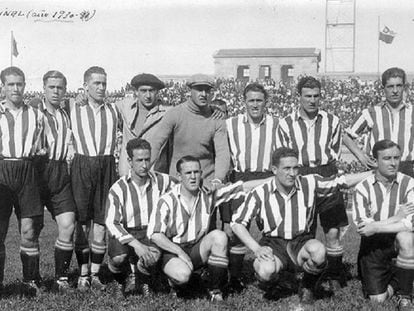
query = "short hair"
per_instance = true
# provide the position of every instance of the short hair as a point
(185, 159)
(11, 71)
(283, 152)
(54, 74)
(94, 69)
(383, 145)
(137, 143)
(308, 82)
(255, 87)
(393, 72)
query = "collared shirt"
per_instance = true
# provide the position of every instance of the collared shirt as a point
(318, 143)
(20, 131)
(373, 201)
(94, 129)
(251, 145)
(127, 207)
(286, 216)
(382, 123)
(57, 132)
(183, 224)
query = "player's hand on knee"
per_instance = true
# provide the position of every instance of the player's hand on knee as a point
(264, 253)
(145, 253)
(366, 229)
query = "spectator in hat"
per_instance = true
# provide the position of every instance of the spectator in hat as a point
(140, 114)
(195, 132)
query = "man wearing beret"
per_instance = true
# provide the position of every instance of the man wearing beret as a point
(140, 114)
(195, 132)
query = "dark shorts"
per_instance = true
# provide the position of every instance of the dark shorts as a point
(332, 212)
(54, 185)
(407, 168)
(18, 188)
(191, 249)
(286, 250)
(92, 177)
(116, 248)
(227, 211)
(375, 263)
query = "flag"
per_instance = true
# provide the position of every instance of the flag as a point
(387, 35)
(14, 50)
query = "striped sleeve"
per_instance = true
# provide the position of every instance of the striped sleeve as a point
(409, 220)
(160, 217)
(326, 186)
(363, 122)
(361, 204)
(165, 182)
(114, 219)
(282, 137)
(227, 193)
(337, 139)
(248, 210)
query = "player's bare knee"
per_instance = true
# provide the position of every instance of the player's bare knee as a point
(265, 270)
(332, 237)
(27, 232)
(405, 242)
(99, 233)
(219, 238)
(66, 225)
(180, 275)
(119, 260)
(317, 251)
(380, 298)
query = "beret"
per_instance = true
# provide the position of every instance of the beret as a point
(147, 79)
(200, 79)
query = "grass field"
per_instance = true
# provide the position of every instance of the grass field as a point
(349, 298)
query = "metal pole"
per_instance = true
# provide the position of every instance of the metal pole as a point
(11, 48)
(378, 54)
(326, 35)
(353, 43)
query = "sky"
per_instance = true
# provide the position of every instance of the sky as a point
(179, 37)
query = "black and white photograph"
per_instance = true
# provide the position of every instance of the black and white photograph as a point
(207, 155)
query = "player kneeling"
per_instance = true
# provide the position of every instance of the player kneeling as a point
(285, 210)
(180, 226)
(383, 212)
(130, 202)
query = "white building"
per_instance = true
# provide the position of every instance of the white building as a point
(279, 64)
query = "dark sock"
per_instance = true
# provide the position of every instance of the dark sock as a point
(63, 256)
(236, 265)
(405, 279)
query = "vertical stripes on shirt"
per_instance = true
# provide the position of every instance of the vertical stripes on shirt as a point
(183, 224)
(317, 142)
(127, 208)
(373, 201)
(281, 215)
(382, 123)
(251, 145)
(94, 129)
(57, 133)
(20, 131)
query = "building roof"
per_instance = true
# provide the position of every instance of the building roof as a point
(281, 52)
